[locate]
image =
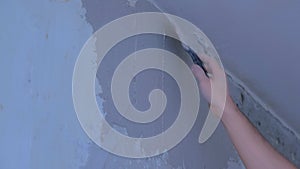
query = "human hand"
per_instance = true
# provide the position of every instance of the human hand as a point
(214, 88)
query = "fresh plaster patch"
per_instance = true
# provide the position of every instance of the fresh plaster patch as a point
(132, 3)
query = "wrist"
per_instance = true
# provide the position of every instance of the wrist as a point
(230, 110)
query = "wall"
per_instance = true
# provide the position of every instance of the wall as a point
(40, 41)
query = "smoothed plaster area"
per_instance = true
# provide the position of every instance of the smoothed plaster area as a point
(40, 41)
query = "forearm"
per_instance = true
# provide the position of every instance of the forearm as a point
(254, 150)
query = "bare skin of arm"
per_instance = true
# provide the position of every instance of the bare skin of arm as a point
(254, 150)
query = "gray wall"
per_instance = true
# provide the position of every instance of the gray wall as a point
(257, 42)
(40, 41)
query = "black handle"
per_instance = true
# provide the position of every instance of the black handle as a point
(196, 60)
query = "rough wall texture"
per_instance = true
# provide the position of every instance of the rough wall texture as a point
(282, 138)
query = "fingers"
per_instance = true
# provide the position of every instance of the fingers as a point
(198, 73)
(204, 81)
(206, 59)
(211, 64)
(216, 82)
